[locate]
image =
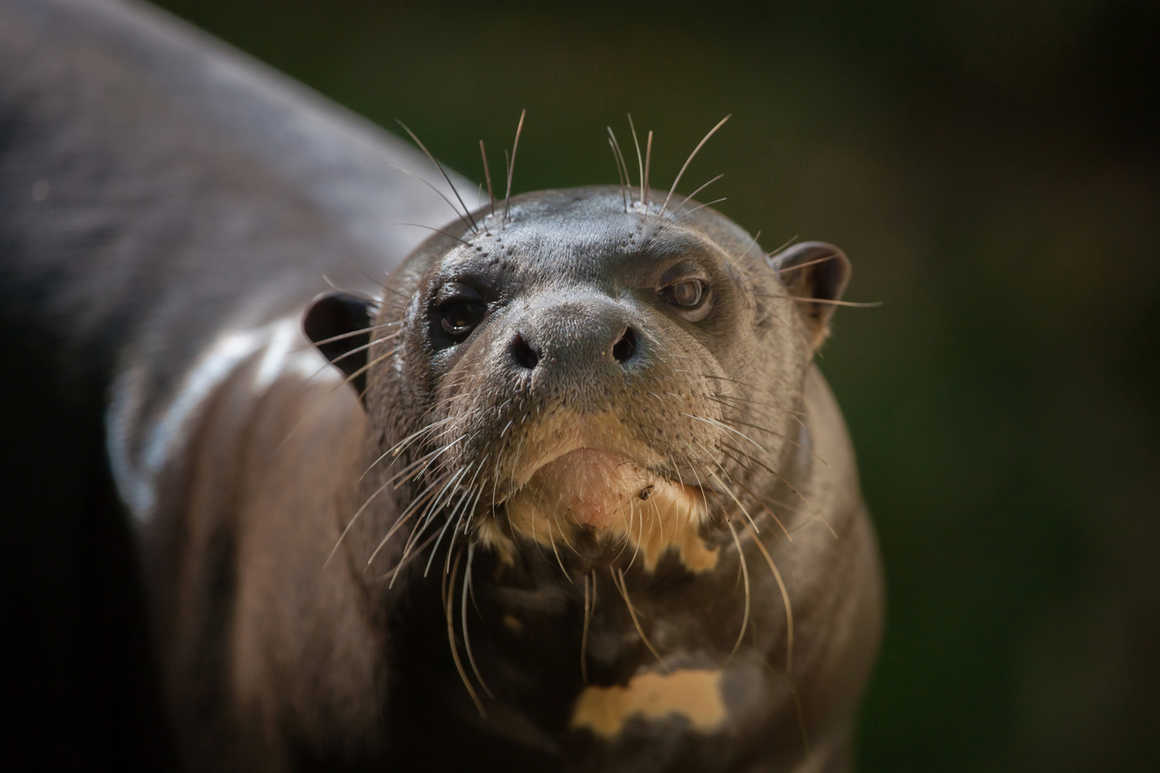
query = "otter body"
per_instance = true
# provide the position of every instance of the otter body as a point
(588, 505)
(568, 559)
(625, 493)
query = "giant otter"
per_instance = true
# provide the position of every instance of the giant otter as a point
(584, 502)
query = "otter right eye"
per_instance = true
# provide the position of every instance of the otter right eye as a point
(459, 309)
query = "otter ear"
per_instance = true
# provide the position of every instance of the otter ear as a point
(339, 325)
(814, 273)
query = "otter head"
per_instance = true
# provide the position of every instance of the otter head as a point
(582, 385)
(578, 373)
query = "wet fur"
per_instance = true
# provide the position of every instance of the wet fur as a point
(288, 634)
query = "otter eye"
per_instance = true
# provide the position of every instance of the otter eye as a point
(687, 293)
(690, 296)
(459, 309)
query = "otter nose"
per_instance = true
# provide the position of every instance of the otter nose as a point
(576, 336)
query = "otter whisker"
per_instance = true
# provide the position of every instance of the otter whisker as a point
(680, 479)
(364, 347)
(805, 264)
(658, 519)
(354, 376)
(745, 581)
(442, 171)
(756, 239)
(452, 523)
(767, 468)
(556, 553)
(647, 162)
(507, 167)
(835, 302)
(433, 187)
(350, 524)
(632, 510)
(739, 404)
(756, 461)
(622, 587)
(399, 447)
(348, 380)
(806, 522)
(463, 622)
(495, 478)
(784, 600)
(619, 175)
(639, 158)
(781, 246)
(696, 475)
(757, 413)
(764, 506)
(464, 512)
(729, 490)
(772, 566)
(589, 600)
(362, 508)
(465, 518)
(727, 428)
(464, 521)
(409, 473)
(517, 456)
(696, 190)
(721, 377)
(428, 458)
(398, 568)
(623, 166)
(763, 406)
(422, 499)
(467, 492)
(353, 333)
(432, 510)
(451, 639)
(567, 542)
(424, 496)
(823, 301)
(691, 210)
(487, 176)
(474, 509)
(512, 167)
(624, 538)
(689, 160)
(351, 352)
(441, 231)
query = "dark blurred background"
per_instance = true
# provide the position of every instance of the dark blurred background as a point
(991, 169)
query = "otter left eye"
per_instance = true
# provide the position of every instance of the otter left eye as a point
(688, 295)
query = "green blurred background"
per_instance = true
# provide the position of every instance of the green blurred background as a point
(991, 169)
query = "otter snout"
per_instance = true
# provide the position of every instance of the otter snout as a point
(585, 342)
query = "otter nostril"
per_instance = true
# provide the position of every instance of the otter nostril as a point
(623, 349)
(523, 353)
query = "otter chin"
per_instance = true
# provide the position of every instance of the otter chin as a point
(604, 491)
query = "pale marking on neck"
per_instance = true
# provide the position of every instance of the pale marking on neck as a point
(694, 695)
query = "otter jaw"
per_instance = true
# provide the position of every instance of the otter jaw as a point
(590, 486)
(604, 491)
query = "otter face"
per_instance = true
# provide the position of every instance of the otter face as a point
(579, 372)
(574, 355)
